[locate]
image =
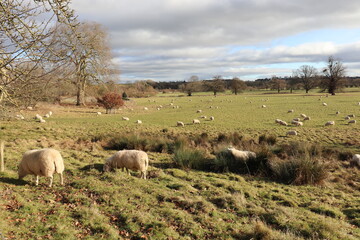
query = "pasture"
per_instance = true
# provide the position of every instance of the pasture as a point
(178, 203)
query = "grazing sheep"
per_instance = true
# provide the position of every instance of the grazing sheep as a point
(241, 155)
(303, 115)
(42, 120)
(50, 113)
(352, 121)
(278, 121)
(325, 104)
(298, 123)
(307, 118)
(212, 118)
(338, 112)
(145, 108)
(347, 118)
(358, 103)
(351, 115)
(98, 113)
(128, 159)
(198, 111)
(355, 160)
(263, 106)
(292, 133)
(42, 162)
(125, 118)
(37, 117)
(290, 111)
(330, 123)
(180, 124)
(283, 123)
(46, 115)
(19, 117)
(196, 121)
(158, 109)
(31, 108)
(204, 117)
(297, 119)
(138, 122)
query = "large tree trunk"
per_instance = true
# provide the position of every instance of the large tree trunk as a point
(80, 95)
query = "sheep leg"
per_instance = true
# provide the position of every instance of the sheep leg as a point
(61, 179)
(127, 170)
(51, 181)
(143, 174)
(37, 180)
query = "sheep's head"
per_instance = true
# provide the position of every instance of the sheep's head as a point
(21, 172)
(106, 167)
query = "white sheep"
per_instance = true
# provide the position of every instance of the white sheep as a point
(338, 112)
(347, 118)
(42, 120)
(145, 108)
(356, 160)
(296, 119)
(128, 159)
(212, 118)
(278, 121)
(330, 123)
(38, 117)
(351, 115)
(324, 104)
(303, 115)
(98, 113)
(180, 124)
(290, 111)
(138, 122)
(19, 117)
(204, 117)
(46, 115)
(198, 111)
(50, 113)
(307, 118)
(352, 121)
(263, 106)
(292, 133)
(283, 123)
(241, 155)
(196, 121)
(125, 118)
(298, 123)
(42, 162)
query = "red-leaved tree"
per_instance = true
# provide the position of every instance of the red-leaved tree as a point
(110, 101)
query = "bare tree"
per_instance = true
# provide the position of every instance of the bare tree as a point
(308, 76)
(216, 85)
(334, 75)
(237, 85)
(277, 83)
(193, 85)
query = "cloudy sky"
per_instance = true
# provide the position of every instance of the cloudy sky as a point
(171, 40)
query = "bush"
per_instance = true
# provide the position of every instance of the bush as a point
(269, 139)
(299, 171)
(110, 101)
(192, 159)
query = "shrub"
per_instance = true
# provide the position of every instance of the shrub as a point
(269, 139)
(125, 96)
(110, 101)
(299, 171)
(192, 159)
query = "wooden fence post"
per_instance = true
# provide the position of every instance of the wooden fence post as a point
(2, 163)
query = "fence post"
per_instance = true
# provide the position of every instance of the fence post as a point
(2, 163)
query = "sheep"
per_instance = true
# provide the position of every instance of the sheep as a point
(303, 115)
(46, 115)
(307, 118)
(50, 113)
(145, 108)
(352, 121)
(324, 104)
(42, 162)
(98, 113)
(212, 118)
(283, 123)
(138, 122)
(158, 109)
(38, 117)
(241, 155)
(291, 111)
(30, 108)
(296, 119)
(19, 117)
(196, 121)
(180, 124)
(263, 106)
(298, 123)
(355, 160)
(330, 123)
(347, 118)
(351, 115)
(125, 118)
(198, 111)
(338, 112)
(292, 133)
(278, 121)
(42, 120)
(128, 159)
(204, 117)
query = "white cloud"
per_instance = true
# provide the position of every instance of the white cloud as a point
(174, 39)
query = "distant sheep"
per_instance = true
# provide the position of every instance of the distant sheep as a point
(198, 111)
(298, 123)
(196, 121)
(351, 115)
(241, 155)
(128, 159)
(19, 117)
(356, 160)
(352, 121)
(204, 117)
(125, 118)
(307, 118)
(297, 119)
(338, 112)
(42, 120)
(46, 115)
(347, 118)
(50, 113)
(180, 124)
(145, 108)
(303, 115)
(290, 111)
(292, 133)
(324, 104)
(212, 118)
(263, 106)
(138, 122)
(42, 162)
(98, 113)
(283, 123)
(330, 123)
(278, 121)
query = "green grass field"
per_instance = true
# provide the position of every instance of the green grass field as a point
(177, 203)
